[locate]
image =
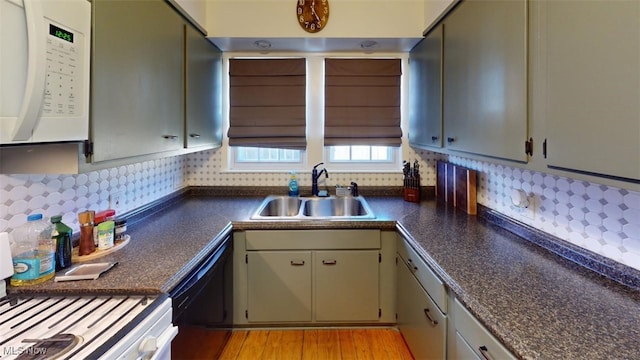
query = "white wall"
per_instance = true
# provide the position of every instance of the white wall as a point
(347, 18)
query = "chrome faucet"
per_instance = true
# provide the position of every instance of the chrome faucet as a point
(315, 174)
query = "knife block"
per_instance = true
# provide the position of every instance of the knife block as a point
(412, 193)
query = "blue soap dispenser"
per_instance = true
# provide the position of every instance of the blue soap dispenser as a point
(293, 185)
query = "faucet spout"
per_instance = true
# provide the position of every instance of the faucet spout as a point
(315, 174)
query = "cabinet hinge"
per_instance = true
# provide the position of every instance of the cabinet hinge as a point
(246, 314)
(379, 258)
(528, 147)
(246, 258)
(379, 313)
(544, 148)
(88, 148)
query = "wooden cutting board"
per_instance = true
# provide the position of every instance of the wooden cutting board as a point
(456, 185)
(441, 181)
(465, 190)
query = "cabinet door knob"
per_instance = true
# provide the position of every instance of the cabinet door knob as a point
(195, 136)
(170, 137)
(433, 322)
(297, 262)
(329, 262)
(451, 139)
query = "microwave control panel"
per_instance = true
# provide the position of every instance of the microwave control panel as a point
(64, 82)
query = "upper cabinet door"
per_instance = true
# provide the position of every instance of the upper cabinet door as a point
(203, 91)
(137, 103)
(425, 95)
(485, 79)
(591, 87)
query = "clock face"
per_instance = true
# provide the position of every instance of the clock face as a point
(312, 14)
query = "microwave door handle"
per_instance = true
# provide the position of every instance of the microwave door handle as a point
(36, 64)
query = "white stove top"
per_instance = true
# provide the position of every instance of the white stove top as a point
(92, 320)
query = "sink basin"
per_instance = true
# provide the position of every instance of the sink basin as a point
(281, 206)
(338, 206)
(276, 207)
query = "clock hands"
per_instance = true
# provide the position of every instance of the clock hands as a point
(313, 10)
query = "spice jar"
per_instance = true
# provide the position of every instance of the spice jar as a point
(121, 229)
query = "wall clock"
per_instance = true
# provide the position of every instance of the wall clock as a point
(312, 14)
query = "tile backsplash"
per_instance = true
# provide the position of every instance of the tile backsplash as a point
(599, 218)
(66, 195)
(602, 219)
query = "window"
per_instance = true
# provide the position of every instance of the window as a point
(363, 158)
(266, 155)
(360, 156)
(360, 153)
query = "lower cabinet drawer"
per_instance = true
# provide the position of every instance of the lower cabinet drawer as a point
(476, 336)
(428, 279)
(422, 324)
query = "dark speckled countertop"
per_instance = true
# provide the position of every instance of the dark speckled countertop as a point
(538, 304)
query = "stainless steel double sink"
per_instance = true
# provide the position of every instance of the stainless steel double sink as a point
(276, 207)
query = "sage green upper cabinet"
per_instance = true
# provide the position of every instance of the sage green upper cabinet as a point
(591, 86)
(425, 95)
(203, 91)
(137, 104)
(485, 79)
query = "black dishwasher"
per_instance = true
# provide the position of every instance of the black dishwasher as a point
(204, 298)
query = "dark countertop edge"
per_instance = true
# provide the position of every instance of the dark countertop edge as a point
(211, 246)
(313, 224)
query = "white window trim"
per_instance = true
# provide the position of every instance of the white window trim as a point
(316, 152)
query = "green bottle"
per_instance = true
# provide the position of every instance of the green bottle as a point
(62, 235)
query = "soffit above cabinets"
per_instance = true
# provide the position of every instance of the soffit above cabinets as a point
(314, 44)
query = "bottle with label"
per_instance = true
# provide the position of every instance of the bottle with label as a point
(33, 252)
(293, 185)
(62, 234)
(105, 234)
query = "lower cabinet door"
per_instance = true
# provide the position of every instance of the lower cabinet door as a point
(421, 323)
(347, 285)
(279, 286)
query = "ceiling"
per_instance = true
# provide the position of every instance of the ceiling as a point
(314, 44)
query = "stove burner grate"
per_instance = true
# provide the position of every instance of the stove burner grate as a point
(49, 348)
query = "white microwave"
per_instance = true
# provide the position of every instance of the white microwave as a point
(44, 70)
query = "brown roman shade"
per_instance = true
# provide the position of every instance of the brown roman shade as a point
(267, 103)
(362, 102)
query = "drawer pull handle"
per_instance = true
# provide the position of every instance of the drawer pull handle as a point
(433, 322)
(451, 139)
(329, 262)
(297, 262)
(195, 136)
(434, 138)
(485, 352)
(410, 263)
(170, 137)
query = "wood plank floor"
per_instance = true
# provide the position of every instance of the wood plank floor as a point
(320, 344)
